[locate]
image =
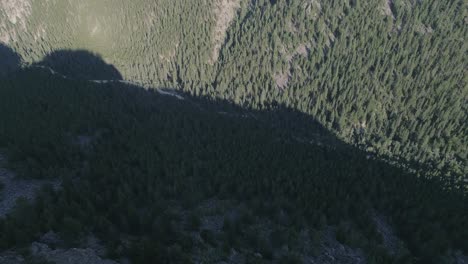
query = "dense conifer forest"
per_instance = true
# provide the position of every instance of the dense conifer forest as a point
(237, 131)
(388, 76)
(135, 165)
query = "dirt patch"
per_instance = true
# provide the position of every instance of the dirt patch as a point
(281, 79)
(225, 12)
(302, 50)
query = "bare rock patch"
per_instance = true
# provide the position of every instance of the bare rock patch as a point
(68, 256)
(225, 12)
(14, 188)
(16, 11)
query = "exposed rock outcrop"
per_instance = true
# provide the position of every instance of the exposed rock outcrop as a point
(68, 256)
(225, 12)
(14, 188)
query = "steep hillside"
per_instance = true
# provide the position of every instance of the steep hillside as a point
(166, 179)
(388, 76)
(142, 38)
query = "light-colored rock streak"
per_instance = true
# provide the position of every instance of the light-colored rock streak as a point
(387, 9)
(16, 11)
(225, 12)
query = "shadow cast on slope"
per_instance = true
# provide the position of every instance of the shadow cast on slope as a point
(80, 64)
(118, 146)
(9, 60)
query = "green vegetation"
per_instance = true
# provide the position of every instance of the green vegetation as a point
(149, 161)
(388, 76)
(286, 104)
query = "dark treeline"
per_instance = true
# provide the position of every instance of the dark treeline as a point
(9, 60)
(128, 156)
(80, 64)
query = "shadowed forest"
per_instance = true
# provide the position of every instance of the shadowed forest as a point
(388, 77)
(138, 166)
(80, 64)
(10, 61)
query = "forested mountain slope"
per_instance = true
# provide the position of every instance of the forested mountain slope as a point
(160, 179)
(389, 76)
